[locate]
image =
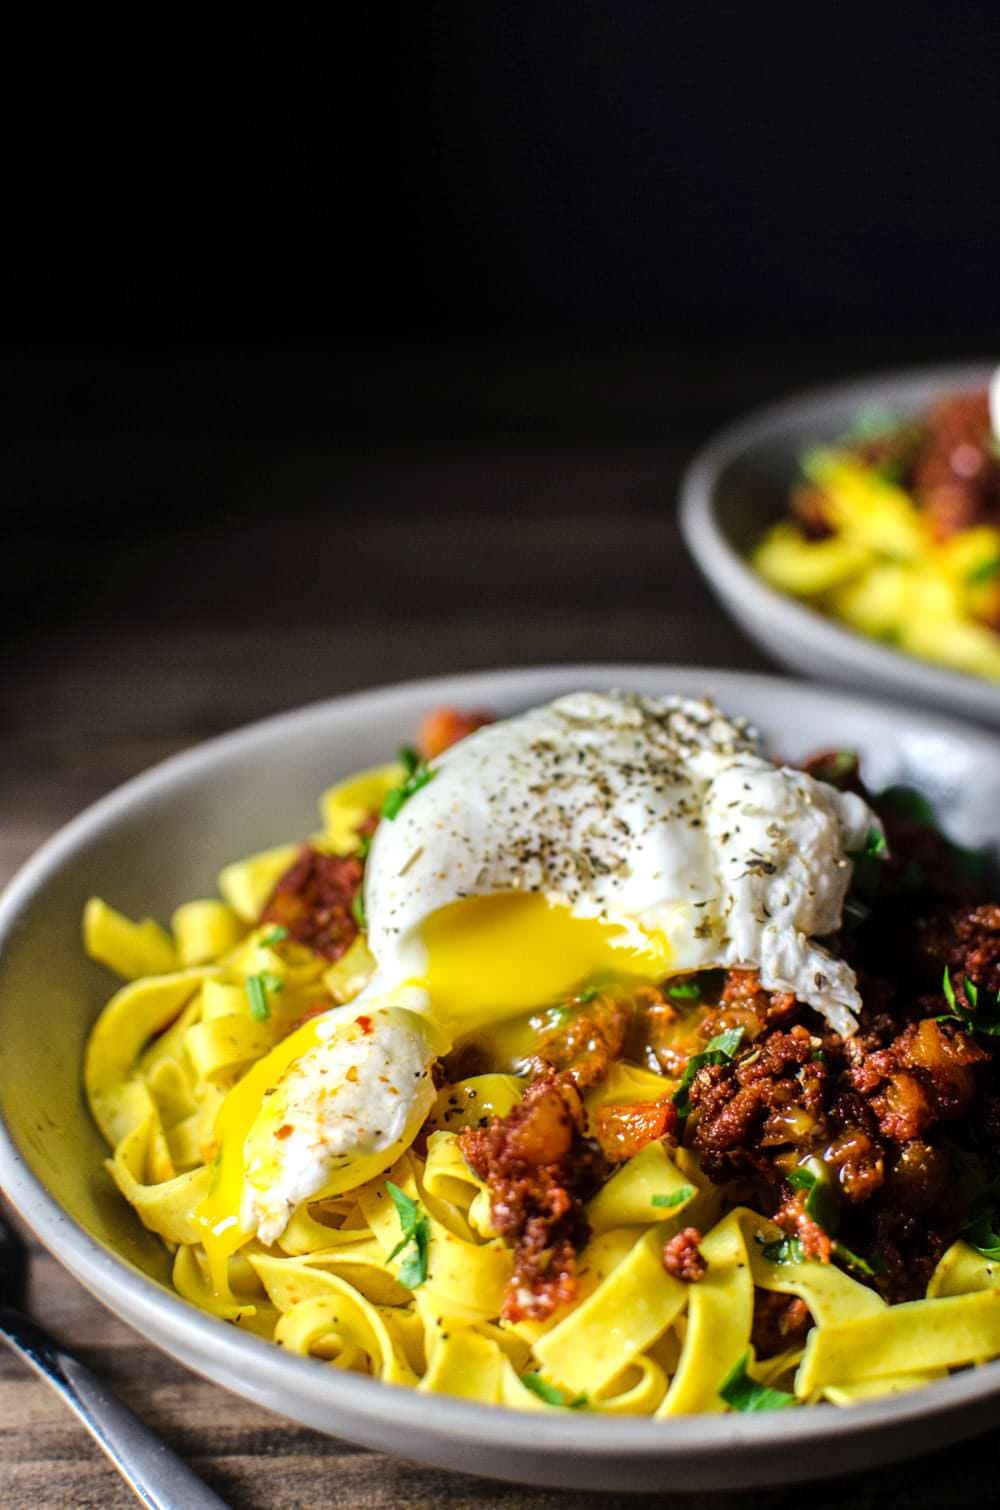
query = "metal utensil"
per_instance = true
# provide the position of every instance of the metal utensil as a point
(159, 1478)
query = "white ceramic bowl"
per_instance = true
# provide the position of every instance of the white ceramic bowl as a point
(162, 837)
(738, 485)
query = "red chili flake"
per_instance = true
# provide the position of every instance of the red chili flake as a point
(285, 1131)
(365, 1024)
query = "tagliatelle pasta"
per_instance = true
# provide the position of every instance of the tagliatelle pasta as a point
(406, 1275)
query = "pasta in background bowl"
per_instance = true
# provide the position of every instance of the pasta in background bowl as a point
(881, 603)
(336, 1258)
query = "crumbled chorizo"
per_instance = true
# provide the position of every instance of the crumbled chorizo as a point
(314, 901)
(444, 727)
(793, 1217)
(683, 1258)
(540, 1169)
(626, 1129)
(957, 477)
(584, 1047)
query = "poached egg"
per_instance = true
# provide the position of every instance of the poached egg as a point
(605, 835)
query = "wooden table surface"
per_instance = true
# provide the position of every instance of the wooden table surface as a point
(295, 570)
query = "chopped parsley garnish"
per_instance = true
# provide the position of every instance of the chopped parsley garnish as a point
(820, 1202)
(982, 1235)
(984, 572)
(784, 1250)
(684, 990)
(980, 1189)
(740, 1392)
(418, 773)
(718, 1050)
(590, 994)
(364, 845)
(358, 909)
(258, 986)
(409, 759)
(549, 1393)
(415, 1239)
(984, 1019)
(675, 1198)
(277, 935)
(875, 842)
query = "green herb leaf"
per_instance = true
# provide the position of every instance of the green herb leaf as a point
(277, 935)
(256, 990)
(717, 1051)
(675, 1198)
(983, 1236)
(984, 572)
(821, 1202)
(400, 795)
(684, 990)
(358, 909)
(784, 1250)
(589, 995)
(549, 1393)
(364, 846)
(742, 1393)
(270, 981)
(984, 1020)
(409, 759)
(415, 1230)
(875, 842)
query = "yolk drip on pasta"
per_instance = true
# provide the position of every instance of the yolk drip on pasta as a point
(219, 1213)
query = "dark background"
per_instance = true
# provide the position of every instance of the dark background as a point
(233, 259)
(335, 355)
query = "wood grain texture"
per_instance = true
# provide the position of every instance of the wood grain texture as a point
(340, 575)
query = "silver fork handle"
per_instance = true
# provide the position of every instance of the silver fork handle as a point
(157, 1476)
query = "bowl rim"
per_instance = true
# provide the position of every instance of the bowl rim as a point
(151, 1307)
(729, 573)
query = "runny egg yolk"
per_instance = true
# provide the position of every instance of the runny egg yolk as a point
(219, 1213)
(494, 956)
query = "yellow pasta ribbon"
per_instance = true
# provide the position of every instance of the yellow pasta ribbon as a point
(334, 1316)
(164, 1205)
(627, 1198)
(597, 1339)
(962, 1270)
(203, 930)
(471, 1102)
(902, 1339)
(129, 1020)
(719, 1320)
(129, 949)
